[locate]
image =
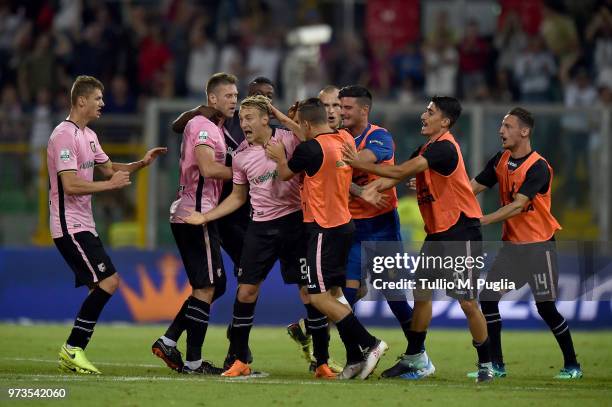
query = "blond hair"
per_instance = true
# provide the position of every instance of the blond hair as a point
(83, 86)
(259, 102)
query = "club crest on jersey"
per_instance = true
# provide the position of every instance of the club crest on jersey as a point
(203, 136)
(92, 144)
(65, 155)
(102, 267)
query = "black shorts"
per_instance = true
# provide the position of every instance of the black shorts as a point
(328, 251)
(457, 276)
(281, 239)
(85, 254)
(534, 264)
(232, 230)
(200, 251)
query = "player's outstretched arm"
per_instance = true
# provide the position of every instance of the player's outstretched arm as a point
(287, 122)
(370, 194)
(398, 172)
(74, 185)
(212, 114)
(507, 211)
(276, 152)
(235, 200)
(145, 161)
(209, 168)
(476, 187)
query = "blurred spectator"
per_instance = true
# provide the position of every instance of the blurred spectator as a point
(9, 25)
(11, 114)
(576, 130)
(441, 65)
(407, 94)
(231, 59)
(473, 57)
(37, 70)
(605, 96)
(264, 57)
(380, 70)
(202, 59)
(178, 40)
(154, 57)
(119, 99)
(42, 126)
(598, 35)
(510, 40)
(91, 53)
(534, 72)
(442, 31)
(68, 16)
(61, 102)
(503, 91)
(408, 66)
(348, 64)
(560, 35)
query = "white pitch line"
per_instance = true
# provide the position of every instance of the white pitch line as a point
(97, 363)
(266, 381)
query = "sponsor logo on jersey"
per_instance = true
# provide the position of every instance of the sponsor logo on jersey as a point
(65, 155)
(270, 175)
(87, 164)
(203, 136)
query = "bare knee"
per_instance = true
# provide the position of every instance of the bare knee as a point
(469, 307)
(353, 284)
(316, 300)
(110, 284)
(247, 293)
(304, 296)
(204, 294)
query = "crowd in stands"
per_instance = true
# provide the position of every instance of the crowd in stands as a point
(167, 49)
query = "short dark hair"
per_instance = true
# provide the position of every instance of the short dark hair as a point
(361, 93)
(83, 85)
(220, 78)
(524, 116)
(312, 110)
(261, 80)
(449, 106)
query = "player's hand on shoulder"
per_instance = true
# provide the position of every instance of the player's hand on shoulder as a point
(210, 113)
(349, 153)
(120, 179)
(276, 152)
(152, 154)
(194, 218)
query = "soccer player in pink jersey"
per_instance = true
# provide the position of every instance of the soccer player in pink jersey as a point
(276, 232)
(72, 154)
(232, 227)
(202, 173)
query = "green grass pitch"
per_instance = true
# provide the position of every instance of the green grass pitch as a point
(132, 376)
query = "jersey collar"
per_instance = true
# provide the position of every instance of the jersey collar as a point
(363, 133)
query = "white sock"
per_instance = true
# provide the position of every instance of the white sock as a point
(168, 342)
(193, 364)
